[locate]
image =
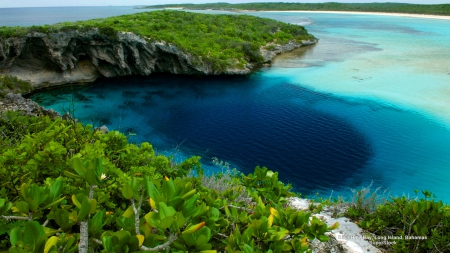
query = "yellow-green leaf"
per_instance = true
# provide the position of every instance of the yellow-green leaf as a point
(52, 241)
(75, 201)
(141, 239)
(193, 228)
(128, 213)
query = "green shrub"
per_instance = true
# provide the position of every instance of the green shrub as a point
(414, 225)
(12, 84)
(73, 188)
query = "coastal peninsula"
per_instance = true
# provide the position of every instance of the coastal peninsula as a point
(430, 9)
(158, 41)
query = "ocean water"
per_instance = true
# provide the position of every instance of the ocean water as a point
(52, 15)
(367, 105)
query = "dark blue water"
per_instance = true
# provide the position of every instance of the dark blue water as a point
(243, 120)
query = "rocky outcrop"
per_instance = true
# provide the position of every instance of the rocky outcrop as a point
(272, 49)
(348, 237)
(15, 102)
(75, 56)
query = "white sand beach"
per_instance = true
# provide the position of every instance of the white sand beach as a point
(376, 13)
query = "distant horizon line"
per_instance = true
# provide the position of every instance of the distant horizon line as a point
(140, 5)
(17, 7)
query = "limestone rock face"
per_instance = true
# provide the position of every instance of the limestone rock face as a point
(75, 56)
(276, 49)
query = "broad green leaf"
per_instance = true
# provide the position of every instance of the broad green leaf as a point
(180, 220)
(166, 222)
(323, 238)
(164, 210)
(206, 232)
(5, 208)
(189, 239)
(56, 188)
(78, 166)
(24, 191)
(201, 240)
(33, 232)
(15, 236)
(123, 237)
(84, 210)
(23, 207)
(175, 201)
(127, 191)
(99, 166)
(92, 178)
(152, 219)
(62, 217)
(168, 189)
(151, 189)
(32, 204)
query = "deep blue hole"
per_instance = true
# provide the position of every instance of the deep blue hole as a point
(236, 119)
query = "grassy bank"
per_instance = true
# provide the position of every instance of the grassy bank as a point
(431, 9)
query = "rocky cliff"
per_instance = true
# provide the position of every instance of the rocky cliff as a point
(74, 56)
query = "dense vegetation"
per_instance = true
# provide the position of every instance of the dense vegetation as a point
(401, 224)
(13, 84)
(436, 9)
(67, 187)
(225, 41)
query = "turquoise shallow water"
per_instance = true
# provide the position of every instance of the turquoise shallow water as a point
(368, 104)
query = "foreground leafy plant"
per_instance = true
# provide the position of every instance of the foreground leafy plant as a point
(75, 189)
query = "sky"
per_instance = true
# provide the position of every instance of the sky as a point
(50, 3)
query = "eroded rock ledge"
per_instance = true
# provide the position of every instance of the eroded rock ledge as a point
(348, 238)
(73, 56)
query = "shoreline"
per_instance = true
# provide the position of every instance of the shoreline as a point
(395, 14)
